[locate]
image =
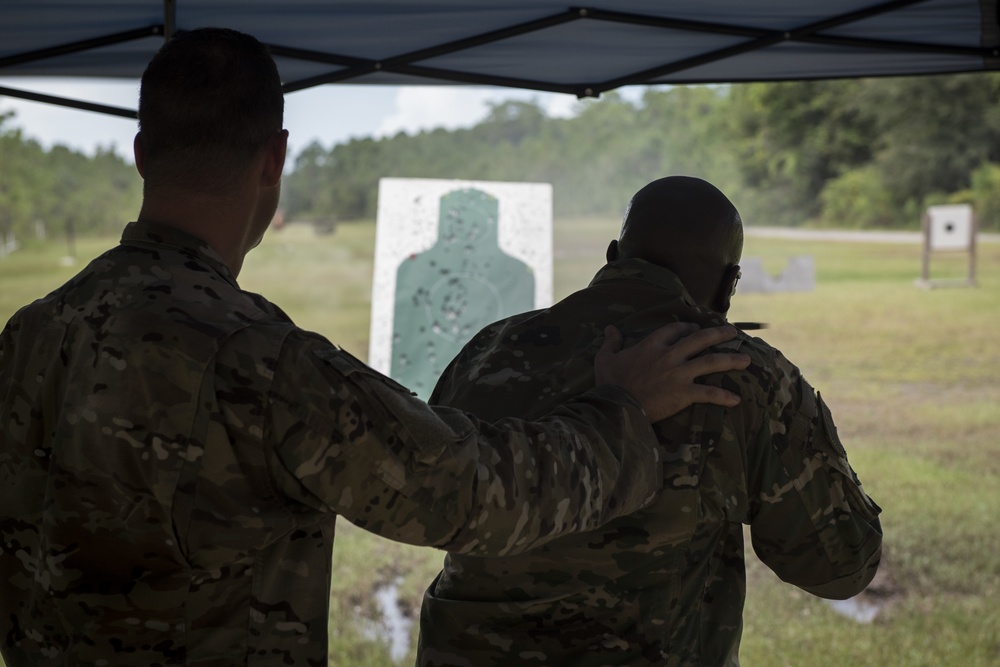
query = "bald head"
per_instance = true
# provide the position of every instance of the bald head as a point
(687, 225)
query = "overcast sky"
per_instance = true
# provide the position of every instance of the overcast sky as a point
(328, 114)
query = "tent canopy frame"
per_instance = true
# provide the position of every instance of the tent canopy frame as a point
(352, 68)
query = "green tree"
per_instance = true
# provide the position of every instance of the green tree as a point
(793, 137)
(922, 136)
(23, 179)
(858, 198)
(512, 122)
(934, 132)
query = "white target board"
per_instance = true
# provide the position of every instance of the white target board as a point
(950, 227)
(452, 256)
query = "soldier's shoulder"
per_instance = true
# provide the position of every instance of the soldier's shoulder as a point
(768, 356)
(768, 366)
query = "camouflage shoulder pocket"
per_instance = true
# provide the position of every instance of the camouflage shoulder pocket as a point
(349, 365)
(854, 493)
(829, 430)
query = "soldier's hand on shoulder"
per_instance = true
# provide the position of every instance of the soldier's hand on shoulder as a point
(659, 371)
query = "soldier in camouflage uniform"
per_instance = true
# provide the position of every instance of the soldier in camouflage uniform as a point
(665, 585)
(174, 450)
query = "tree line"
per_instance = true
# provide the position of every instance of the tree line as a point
(862, 153)
(58, 192)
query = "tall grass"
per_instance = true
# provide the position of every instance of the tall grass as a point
(912, 376)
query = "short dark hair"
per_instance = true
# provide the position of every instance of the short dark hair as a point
(208, 103)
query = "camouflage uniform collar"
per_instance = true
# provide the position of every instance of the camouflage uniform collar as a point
(160, 235)
(633, 270)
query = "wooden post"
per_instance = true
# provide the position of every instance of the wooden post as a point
(925, 273)
(972, 249)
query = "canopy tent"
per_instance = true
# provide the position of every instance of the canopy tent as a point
(534, 44)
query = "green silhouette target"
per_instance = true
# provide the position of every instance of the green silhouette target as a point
(448, 293)
(458, 280)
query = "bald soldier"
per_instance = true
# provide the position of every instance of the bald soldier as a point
(666, 585)
(174, 451)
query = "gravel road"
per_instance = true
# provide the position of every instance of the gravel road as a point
(864, 236)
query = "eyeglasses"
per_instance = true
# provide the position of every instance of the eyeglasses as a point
(739, 274)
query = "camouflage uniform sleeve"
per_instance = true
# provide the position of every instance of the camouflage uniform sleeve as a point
(811, 520)
(348, 440)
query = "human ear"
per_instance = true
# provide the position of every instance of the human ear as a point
(274, 159)
(612, 254)
(727, 288)
(139, 152)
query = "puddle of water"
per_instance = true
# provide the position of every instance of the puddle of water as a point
(859, 608)
(394, 627)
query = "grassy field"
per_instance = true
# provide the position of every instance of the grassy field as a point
(913, 378)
